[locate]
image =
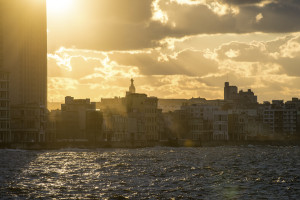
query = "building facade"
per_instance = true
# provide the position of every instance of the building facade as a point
(279, 118)
(23, 54)
(5, 133)
(199, 118)
(244, 124)
(72, 124)
(135, 117)
(220, 125)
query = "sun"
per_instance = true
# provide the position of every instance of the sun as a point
(59, 6)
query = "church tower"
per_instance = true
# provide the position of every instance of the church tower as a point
(131, 87)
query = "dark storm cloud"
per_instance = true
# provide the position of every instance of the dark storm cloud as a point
(279, 16)
(127, 24)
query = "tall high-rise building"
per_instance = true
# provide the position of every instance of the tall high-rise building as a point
(23, 54)
(24, 49)
(1, 34)
(5, 132)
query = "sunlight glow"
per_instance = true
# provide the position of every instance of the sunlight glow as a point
(58, 6)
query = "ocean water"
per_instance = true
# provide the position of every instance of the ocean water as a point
(241, 172)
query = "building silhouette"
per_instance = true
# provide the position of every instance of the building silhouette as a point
(77, 121)
(231, 94)
(23, 54)
(132, 87)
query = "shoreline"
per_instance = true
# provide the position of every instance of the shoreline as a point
(136, 145)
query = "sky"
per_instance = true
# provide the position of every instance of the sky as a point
(173, 48)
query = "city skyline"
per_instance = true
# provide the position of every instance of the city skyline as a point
(173, 49)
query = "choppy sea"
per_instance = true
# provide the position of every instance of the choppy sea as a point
(239, 172)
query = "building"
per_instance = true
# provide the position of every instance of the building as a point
(243, 97)
(77, 121)
(121, 128)
(28, 123)
(295, 104)
(94, 122)
(144, 108)
(23, 54)
(176, 125)
(220, 125)
(51, 129)
(230, 92)
(200, 120)
(135, 117)
(72, 122)
(5, 134)
(244, 124)
(247, 96)
(281, 119)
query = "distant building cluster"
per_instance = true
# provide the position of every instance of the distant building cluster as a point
(137, 119)
(238, 117)
(133, 118)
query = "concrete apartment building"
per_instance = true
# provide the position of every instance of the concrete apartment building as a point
(220, 125)
(280, 118)
(5, 133)
(244, 124)
(199, 120)
(23, 54)
(295, 104)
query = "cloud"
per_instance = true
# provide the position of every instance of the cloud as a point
(158, 14)
(259, 17)
(134, 24)
(186, 62)
(174, 71)
(244, 52)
